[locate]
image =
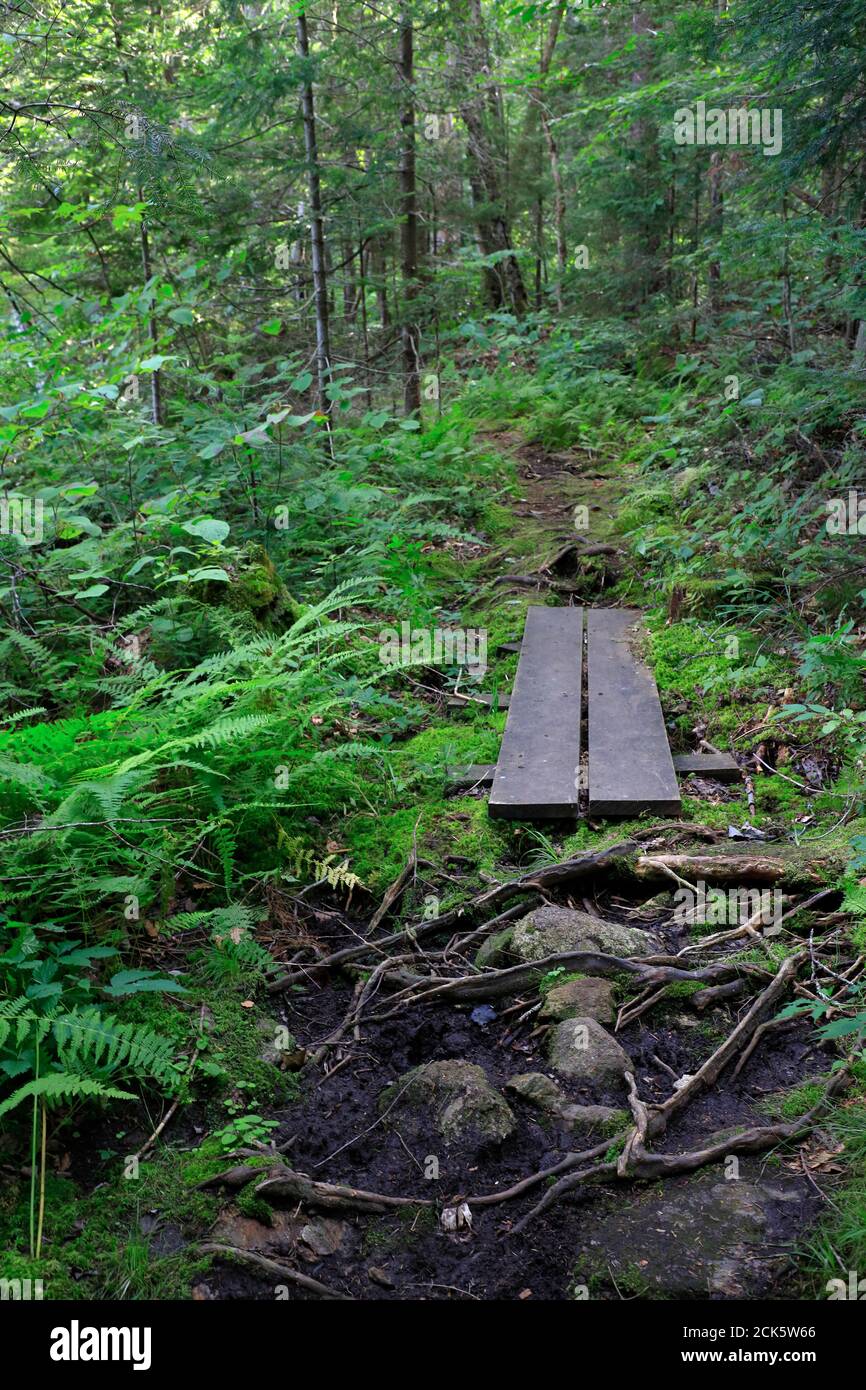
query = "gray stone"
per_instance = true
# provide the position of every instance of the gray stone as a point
(588, 998)
(537, 1089)
(702, 1238)
(550, 931)
(323, 1234)
(495, 951)
(581, 1048)
(456, 1097)
(598, 1119)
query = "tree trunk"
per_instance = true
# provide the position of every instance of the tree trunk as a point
(716, 226)
(553, 152)
(409, 334)
(317, 226)
(480, 110)
(645, 133)
(152, 331)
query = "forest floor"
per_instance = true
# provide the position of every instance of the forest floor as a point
(736, 1227)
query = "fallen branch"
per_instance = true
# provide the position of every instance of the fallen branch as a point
(712, 868)
(277, 1269)
(398, 887)
(550, 876)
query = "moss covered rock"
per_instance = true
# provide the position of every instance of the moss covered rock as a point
(550, 931)
(455, 1097)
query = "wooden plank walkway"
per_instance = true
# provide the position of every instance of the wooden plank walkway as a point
(630, 764)
(539, 760)
(721, 766)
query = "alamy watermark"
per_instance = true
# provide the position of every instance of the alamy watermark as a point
(22, 517)
(741, 125)
(846, 516)
(439, 646)
(733, 907)
(854, 1289)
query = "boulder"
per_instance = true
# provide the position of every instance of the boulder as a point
(552, 931)
(455, 1097)
(542, 1091)
(587, 998)
(700, 1238)
(595, 1121)
(580, 1048)
(495, 950)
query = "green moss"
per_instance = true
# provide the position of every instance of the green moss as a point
(790, 1104)
(94, 1245)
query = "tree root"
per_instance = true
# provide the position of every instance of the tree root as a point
(549, 877)
(635, 1163)
(275, 1268)
(281, 1181)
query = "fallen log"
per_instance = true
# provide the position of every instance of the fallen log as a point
(727, 868)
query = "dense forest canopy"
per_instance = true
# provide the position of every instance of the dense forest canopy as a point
(285, 289)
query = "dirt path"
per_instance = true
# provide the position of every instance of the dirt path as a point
(453, 1104)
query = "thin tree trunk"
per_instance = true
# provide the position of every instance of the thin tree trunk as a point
(317, 226)
(716, 227)
(152, 331)
(409, 333)
(481, 111)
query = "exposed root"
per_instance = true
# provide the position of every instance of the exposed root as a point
(279, 1271)
(549, 877)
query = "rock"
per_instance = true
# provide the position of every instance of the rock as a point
(495, 951)
(588, 998)
(702, 1238)
(540, 1090)
(454, 1096)
(551, 931)
(537, 1089)
(601, 1119)
(247, 1233)
(323, 1234)
(581, 1048)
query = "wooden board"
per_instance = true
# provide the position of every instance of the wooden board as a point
(472, 775)
(721, 766)
(630, 764)
(464, 701)
(539, 760)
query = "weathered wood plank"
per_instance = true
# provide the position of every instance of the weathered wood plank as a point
(539, 760)
(502, 701)
(472, 775)
(721, 766)
(630, 764)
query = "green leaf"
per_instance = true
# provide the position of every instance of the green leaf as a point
(209, 528)
(181, 315)
(140, 982)
(273, 327)
(95, 591)
(198, 576)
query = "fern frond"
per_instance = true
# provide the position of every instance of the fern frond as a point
(57, 1085)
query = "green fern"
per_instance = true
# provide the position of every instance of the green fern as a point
(80, 1050)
